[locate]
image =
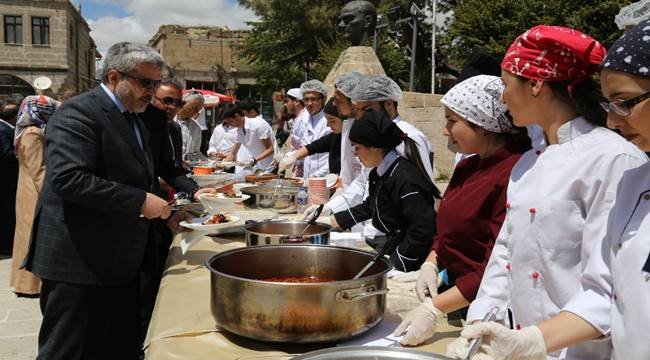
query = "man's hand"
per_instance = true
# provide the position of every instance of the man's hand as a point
(155, 207)
(174, 221)
(205, 190)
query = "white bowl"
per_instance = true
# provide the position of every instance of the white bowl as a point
(212, 179)
(218, 203)
(197, 223)
(238, 186)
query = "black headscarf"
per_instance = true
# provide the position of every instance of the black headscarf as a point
(330, 109)
(631, 52)
(377, 130)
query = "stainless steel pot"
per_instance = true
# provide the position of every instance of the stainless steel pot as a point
(267, 196)
(275, 232)
(369, 353)
(296, 312)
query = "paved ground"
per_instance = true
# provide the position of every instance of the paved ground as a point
(20, 319)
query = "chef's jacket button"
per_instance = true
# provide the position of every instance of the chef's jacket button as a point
(535, 275)
(507, 205)
(620, 245)
(532, 210)
(538, 152)
(615, 297)
(647, 277)
(646, 197)
(518, 327)
(508, 266)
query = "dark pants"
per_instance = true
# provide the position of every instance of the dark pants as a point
(89, 321)
(205, 141)
(151, 274)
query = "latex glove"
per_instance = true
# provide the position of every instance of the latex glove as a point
(427, 284)
(419, 324)
(287, 161)
(459, 348)
(502, 343)
(311, 211)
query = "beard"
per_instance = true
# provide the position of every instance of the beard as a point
(129, 99)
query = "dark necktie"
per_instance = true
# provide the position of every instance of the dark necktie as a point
(134, 125)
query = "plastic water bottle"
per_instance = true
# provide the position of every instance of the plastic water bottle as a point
(301, 200)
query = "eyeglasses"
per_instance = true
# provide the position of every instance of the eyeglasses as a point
(148, 84)
(170, 101)
(624, 107)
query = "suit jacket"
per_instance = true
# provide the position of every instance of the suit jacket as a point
(87, 227)
(175, 133)
(162, 152)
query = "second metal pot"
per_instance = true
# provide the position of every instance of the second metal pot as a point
(275, 232)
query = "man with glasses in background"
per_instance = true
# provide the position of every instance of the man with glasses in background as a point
(94, 214)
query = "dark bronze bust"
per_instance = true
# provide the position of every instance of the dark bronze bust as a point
(357, 20)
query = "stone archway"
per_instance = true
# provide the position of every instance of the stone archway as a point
(10, 84)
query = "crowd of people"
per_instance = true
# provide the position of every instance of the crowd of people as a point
(549, 232)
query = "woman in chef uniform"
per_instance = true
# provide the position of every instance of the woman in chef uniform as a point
(559, 197)
(615, 284)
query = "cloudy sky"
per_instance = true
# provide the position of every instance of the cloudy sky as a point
(137, 20)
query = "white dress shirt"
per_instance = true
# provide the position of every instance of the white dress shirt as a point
(350, 164)
(316, 165)
(616, 282)
(191, 135)
(558, 201)
(255, 130)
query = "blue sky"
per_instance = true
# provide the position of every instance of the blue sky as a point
(112, 21)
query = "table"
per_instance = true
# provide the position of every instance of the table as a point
(182, 326)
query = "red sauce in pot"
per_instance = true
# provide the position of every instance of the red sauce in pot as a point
(299, 279)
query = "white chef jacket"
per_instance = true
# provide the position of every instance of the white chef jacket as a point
(251, 135)
(298, 129)
(357, 191)
(191, 135)
(350, 164)
(616, 281)
(558, 201)
(200, 119)
(316, 165)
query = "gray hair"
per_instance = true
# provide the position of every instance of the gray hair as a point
(172, 81)
(126, 56)
(191, 96)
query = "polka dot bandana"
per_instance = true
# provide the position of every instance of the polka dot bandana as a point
(553, 53)
(631, 52)
(478, 100)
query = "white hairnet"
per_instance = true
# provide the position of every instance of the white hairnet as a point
(313, 85)
(377, 88)
(347, 82)
(633, 14)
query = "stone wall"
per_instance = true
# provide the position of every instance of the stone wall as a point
(56, 60)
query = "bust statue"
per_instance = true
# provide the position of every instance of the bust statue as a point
(357, 20)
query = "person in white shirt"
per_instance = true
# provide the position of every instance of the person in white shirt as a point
(296, 107)
(558, 201)
(190, 129)
(205, 130)
(314, 127)
(253, 133)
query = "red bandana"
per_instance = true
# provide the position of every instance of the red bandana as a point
(553, 53)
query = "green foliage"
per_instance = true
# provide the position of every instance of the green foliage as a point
(494, 24)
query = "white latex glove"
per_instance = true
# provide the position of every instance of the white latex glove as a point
(311, 211)
(427, 284)
(501, 343)
(287, 161)
(419, 324)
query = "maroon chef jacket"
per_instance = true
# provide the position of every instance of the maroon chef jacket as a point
(470, 216)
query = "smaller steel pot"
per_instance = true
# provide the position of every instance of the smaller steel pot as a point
(275, 232)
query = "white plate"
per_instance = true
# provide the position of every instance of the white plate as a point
(227, 164)
(205, 180)
(217, 203)
(196, 223)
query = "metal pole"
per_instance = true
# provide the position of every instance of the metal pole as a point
(433, 47)
(414, 41)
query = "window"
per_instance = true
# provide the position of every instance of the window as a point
(40, 31)
(13, 29)
(71, 37)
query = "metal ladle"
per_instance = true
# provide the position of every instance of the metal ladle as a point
(309, 223)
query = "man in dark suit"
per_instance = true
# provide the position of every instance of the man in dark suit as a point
(8, 176)
(93, 217)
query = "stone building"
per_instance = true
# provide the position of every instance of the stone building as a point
(206, 57)
(45, 38)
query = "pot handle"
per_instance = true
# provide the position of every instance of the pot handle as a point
(348, 295)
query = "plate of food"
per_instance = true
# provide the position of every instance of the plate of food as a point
(225, 201)
(210, 222)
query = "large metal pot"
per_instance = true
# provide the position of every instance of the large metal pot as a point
(275, 232)
(296, 312)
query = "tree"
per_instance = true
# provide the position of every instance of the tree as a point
(494, 24)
